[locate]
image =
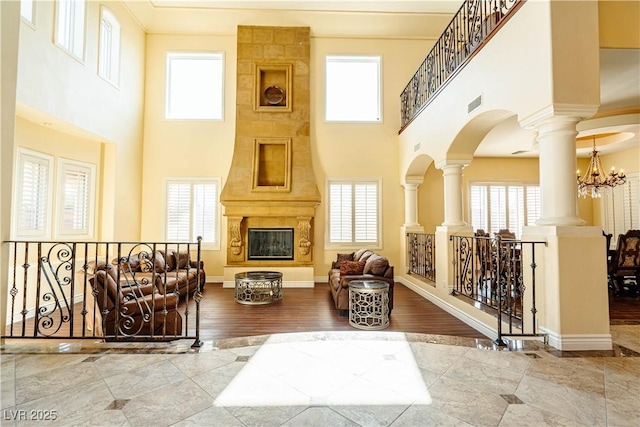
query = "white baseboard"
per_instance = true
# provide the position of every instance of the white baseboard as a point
(474, 323)
(579, 342)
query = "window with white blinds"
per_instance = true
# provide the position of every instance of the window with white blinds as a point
(109, 53)
(621, 208)
(76, 198)
(32, 198)
(69, 32)
(498, 206)
(354, 213)
(193, 210)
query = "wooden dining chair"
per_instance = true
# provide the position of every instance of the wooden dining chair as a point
(624, 267)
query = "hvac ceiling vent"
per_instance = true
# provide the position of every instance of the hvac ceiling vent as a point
(474, 104)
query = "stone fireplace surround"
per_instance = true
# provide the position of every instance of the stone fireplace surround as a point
(271, 183)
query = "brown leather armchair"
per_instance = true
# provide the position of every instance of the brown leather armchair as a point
(135, 309)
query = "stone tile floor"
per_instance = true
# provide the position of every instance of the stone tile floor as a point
(321, 379)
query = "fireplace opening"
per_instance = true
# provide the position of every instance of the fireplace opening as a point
(270, 244)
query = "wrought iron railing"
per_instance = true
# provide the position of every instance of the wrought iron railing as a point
(490, 273)
(104, 290)
(421, 255)
(465, 35)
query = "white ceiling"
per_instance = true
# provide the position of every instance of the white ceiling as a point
(402, 6)
(329, 18)
(619, 68)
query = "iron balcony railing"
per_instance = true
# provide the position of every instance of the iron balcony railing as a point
(421, 255)
(468, 31)
(60, 290)
(490, 274)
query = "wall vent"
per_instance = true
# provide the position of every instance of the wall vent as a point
(474, 104)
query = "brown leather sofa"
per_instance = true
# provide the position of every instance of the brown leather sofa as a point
(134, 309)
(171, 271)
(363, 264)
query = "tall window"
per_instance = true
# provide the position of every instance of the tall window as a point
(70, 26)
(32, 203)
(498, 206)
(76, 198)
(194, 86)
(192, 211)
(109, 55)
(354, 213)
(353, 89)
(621, 208)
(27, 10)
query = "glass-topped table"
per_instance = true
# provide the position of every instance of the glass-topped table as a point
(258, 287)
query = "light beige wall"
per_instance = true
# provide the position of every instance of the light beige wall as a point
(204, 149)
(60, 145)
(9, 31)
(481, 169)
(362, 150)
(525, 87)
(619, 26)
(68, 93)
(627, 160)
(430, 193)
(184, 148)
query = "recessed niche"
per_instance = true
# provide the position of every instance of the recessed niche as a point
(272, 164)
(273, 87)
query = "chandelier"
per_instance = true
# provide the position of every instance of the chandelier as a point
(595, 179)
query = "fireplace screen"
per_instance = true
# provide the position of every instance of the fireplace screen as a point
(270, 244)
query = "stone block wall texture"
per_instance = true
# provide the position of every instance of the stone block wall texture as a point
(245, 206)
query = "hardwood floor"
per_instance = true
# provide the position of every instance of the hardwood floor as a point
(312, 309)
(624, 308)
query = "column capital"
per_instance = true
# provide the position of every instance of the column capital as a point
(551, 112)
(452, 164)
(412, 180)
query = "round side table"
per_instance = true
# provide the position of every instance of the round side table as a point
(258, 287)
(369, 304)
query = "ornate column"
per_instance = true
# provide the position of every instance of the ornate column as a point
(411, 225)
(452, 173)
(572, 265)
(558, 187)
(453, 220)
(411, 185)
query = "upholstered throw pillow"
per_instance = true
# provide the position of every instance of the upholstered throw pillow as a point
(376, 266)
(148, 265)
(351, 268)
(365, 256)
(169, 259)
(159, 262)
(182, 259)
(341, 257)
(346, 257)
(358, 254)
(129, 264)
